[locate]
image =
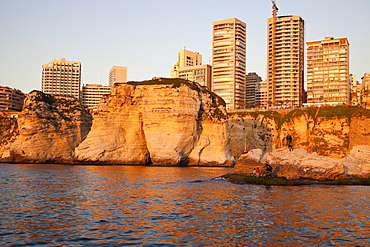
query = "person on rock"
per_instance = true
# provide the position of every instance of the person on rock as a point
(268, 170)
(289, 140)
(258, 172)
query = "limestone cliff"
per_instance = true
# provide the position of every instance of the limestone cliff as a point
(160, 122)
(329, 131)
(48, 130)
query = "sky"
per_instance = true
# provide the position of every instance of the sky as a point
(146, 35)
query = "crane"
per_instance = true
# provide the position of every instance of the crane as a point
(275, 9)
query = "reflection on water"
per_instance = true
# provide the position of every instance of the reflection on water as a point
(56, 205)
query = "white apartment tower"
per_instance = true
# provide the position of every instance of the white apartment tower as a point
(61, 77)
(328, 77)
(229, 62)
(285, 56)
(117, 74)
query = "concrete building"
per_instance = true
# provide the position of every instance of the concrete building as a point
(117, 74)
(229, 62)
(262, 94)
(92, 94)
(61, 77)
(11, 99)
(355, 90)
(365, 89)
(328, 81)
(200, 74)
(285, 56)
(189, 67)
(187, 58)
(253, 82)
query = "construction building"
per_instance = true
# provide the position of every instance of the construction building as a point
(62, 77)
(117, 74)
(92, 94)
(11, 99)
(328, 77)
(189, 67)
(229, 62)
(285, 56)
(253, 82)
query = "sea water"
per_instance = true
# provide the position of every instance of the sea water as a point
(75, 205)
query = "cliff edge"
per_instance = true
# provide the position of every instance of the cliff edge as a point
(46, 131)
(159, 122)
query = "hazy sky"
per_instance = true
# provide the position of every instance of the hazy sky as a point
(146, 35)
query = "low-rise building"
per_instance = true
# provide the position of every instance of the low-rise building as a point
(189, 67)
(11, 99)
(92, 94)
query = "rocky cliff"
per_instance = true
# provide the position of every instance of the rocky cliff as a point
(328, 131)
(48, 130)
(160, 122)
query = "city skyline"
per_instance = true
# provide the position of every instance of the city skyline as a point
(146, 36)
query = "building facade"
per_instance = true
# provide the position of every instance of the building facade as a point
(62, 77)
(92, 94)
(285, 56)
(200, 74)
(11, 99)
(355, 90)
(189, 67)
(117, 74)
(328, 77)
(365, 89)
(229, 62)
(253, 82)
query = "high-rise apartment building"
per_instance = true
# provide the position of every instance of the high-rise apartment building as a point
(117, 74)
(92, 94)
(328, 77)
(189, 67)
(253, 82)
(11, 99)
(62, 77)
(285, 56)
(229, 61)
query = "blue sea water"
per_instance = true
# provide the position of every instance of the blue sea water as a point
(74, 205)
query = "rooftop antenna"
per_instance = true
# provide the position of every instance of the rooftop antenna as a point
(275, 9)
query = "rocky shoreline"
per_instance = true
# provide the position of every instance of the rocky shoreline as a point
(245, 179)
(299, 164)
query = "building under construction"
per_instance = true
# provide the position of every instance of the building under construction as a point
(285, 56)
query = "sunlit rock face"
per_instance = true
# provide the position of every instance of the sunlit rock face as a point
(49, 129)
(300, 164)
(160, 122)
(328, 131)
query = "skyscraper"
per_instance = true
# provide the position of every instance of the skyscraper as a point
(285, 75)
(229, 61)
(117, 74)
(61, 77)
(328, 77)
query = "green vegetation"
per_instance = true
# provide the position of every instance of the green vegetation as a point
(314, 112)
(244, 179)
(177, 82)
